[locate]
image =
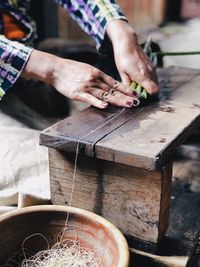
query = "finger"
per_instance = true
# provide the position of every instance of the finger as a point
(100, 94)
(101, 85)
(117, 85)
(119, 99)
(125, 79)
(92, 100)
(150, 86)
(115, 98)
(142, 78)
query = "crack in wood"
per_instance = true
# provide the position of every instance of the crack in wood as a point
(100, 189)
(136, 214)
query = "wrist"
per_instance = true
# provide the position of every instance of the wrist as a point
(40, 66)
(120, 31)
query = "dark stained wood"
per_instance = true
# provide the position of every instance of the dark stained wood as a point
(87, 127)
(150, 138)
(144, 137)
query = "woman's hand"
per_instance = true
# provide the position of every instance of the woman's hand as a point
(79, 81)
(131, 62)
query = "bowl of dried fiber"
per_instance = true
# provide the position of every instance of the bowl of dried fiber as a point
(53, 235)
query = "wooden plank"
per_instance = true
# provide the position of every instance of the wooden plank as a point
(87, 127)
(141, 144)
(132, 137)
(92, 118)
(120, 193)
(172, 78)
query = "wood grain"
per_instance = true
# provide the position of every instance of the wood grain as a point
(149, 139)
(144, 137)
(123, 170)
(129, 197)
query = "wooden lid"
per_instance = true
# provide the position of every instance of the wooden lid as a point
(143, 137)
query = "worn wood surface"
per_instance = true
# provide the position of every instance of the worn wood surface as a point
(181, 239)
(144, 198)
(144, 137)
(135, 200)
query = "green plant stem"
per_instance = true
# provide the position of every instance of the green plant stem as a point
(185, 53)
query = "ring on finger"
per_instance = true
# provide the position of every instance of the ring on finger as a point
(105, 96)
(115, 85)
(112, 91)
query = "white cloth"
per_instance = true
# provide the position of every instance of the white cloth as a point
(23, 164)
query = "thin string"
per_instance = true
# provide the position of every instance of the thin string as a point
(30, 236)
(76, 157)
(67, 251)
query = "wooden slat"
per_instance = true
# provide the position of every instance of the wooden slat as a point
(88, 127)
(150, 138)
(144, 137)
(138, 206)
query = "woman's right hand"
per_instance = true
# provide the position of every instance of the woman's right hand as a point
(79, 81)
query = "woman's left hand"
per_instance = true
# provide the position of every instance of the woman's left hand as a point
(131, 61)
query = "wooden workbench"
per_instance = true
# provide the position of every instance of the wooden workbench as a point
(124, 167)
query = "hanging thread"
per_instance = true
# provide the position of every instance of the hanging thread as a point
(65, 252)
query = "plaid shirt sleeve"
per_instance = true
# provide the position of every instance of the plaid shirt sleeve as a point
(13, 57)
(93, 16)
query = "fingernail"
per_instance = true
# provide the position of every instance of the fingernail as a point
(104, 104)
(133, 85)
(135, 93)
(136, 102)
(129, 103)
(112, 92)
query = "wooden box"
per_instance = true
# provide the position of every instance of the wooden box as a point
(124, 163)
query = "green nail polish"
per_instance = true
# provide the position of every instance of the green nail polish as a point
(139, 89)
(134, 85)
(144, 94)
